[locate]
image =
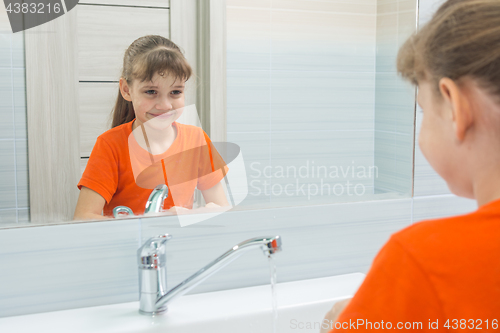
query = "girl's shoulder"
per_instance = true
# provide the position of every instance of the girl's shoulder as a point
(117, 135)
(190, 130)
(191, 136)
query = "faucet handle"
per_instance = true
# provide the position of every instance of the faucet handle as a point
(152, 253)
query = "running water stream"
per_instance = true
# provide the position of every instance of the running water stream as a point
(272, 267)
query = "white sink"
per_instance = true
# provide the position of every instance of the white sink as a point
(301, 307)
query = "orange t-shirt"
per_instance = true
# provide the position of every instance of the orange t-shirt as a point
(191, 161)
(445, 270)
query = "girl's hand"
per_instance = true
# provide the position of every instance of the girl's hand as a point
(333, 314)
(177, 210)
(212, 205)
(216, 195)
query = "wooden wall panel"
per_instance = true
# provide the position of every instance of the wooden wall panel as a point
(97, 100)
(52, 112)
(105, 32)
(83, 165)
(141, 3)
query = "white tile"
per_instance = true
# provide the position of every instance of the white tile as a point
(322, 40)
(248, 101)
(394, 161)
(255, 199)
(386, 7)
(7, 123)
(339, 114)
(250, 4)
(8, 217)
(427, 181)
(255, 150)
(248, 38)
(20, 122)
(407, 5)
(418, 120)
(5, 49)
(18, 60)
(23, 216)
(366, 7)
(311, 101)
(331, 170)
(306, 192)
(68, 266)
(310, 161)
(350, 145)
(19, 87)
(255, 147)
(394, 104)
(407, 23)
(320, 193)
(4, 21)
(6, 86)
(432, 207)
(22, 173)
(7, 175)
(317, 55)
(427, 8)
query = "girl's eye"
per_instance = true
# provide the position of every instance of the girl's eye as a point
(176, 92)
(150, 92)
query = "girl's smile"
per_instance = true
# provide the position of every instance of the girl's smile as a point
(163, 115)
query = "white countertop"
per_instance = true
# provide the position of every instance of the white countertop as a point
(249, 309)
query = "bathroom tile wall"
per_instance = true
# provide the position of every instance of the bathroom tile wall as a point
(300, 83)
(76, 265)
(394, 99)
(67, 266)
(13, 137)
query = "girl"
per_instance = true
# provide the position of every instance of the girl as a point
(443, 274)
(144, 134)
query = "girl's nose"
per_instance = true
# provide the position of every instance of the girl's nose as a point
(164, 104)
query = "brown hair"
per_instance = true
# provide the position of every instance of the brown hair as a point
(461, 40)
(144, 57)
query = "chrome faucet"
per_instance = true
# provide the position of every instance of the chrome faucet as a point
(153, 293)
(153, 204)
(155, 200)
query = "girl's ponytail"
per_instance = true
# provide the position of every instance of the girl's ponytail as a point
(123, 111)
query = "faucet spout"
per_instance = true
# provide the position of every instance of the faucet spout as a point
(155, 200)
(269, 245)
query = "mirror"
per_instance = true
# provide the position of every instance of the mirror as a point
(313, 98)
(315, 102)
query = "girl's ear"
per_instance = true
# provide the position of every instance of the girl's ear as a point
(125, 89)
(456, 101)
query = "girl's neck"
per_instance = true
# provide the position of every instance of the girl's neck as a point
(156, 141)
